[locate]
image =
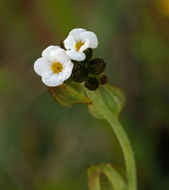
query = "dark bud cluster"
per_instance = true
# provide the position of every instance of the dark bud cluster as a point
(90, 71)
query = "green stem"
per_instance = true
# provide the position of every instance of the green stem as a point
(126, 148)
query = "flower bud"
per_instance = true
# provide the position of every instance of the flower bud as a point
(103, 79)
(91, 83)
(96, 66)
(79, 72)
(89, 54)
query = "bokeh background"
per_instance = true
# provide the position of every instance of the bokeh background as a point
(44, 146)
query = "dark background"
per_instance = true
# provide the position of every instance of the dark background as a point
(44, 146)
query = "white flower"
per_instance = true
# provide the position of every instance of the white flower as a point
(78, 41)
(54, 66)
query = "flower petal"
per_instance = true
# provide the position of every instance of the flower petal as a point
(46, 52)
(75, 55)
(90, 38)
(59, 55)
(69, 42)
(76, 33)
(41, 66)
(67, 71)
(51, 80)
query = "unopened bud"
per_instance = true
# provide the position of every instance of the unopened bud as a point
(96, 66)
(79, 72)
(91, 83)
(103, 79)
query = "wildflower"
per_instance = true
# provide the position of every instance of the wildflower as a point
(54, 66)
(78, 41)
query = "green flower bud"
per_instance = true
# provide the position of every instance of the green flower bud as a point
(91, 83)
(79, 72)
(103, 79)
(96, 66)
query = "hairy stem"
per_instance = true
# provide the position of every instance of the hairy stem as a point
(126, 149)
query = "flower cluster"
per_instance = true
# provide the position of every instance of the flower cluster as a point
(73, 61)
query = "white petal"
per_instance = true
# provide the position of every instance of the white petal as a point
(70, 42)
(67, 71)
(76, 33)
(46, 52)
(84, 47)
(51, 80)
(75, 55)
(90, 38)
(59, 55)
(41, 66)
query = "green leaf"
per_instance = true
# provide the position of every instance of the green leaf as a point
(93, 178)
(69, 94)
(94, 173)
(105, 97)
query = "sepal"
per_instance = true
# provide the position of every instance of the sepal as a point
(69, 94)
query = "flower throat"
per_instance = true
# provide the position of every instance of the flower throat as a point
(57, 67)
(78, 45)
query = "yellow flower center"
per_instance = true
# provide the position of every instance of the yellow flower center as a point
(78, 45)
(56, 67)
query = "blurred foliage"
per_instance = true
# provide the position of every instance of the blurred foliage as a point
(44, 146)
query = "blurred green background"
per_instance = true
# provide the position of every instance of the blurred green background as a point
(44, 146)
